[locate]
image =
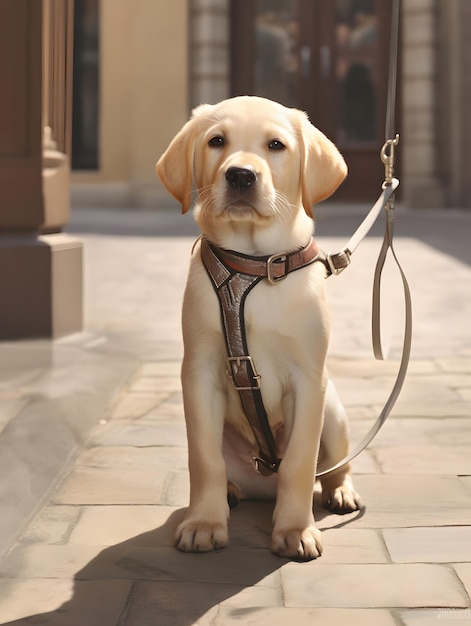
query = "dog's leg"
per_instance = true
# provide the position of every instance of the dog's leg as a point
(338, 494)
(205, 525)
(294, 532)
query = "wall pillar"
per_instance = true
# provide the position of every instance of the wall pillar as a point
(40, 267)
(454, 97)
(209, 51)
(422, 181)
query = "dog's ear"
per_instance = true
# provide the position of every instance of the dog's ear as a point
(322, 167)
(175, 166)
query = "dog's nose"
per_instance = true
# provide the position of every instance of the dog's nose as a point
(241, 177)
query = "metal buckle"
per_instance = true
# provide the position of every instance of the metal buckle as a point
(265, 468)
(387, 157)
(232, 374)
(282, 258)
(345, 255)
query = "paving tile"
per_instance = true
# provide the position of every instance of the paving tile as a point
(109, 525)
(453, 365)
(9, 407)
(126, 456)
(260, 616)
(195, 603)
(365, 463)
(60, 602)
(53, 524)
(345, 545)
(171, 409)
(155, 383)
(110, 485)
(439, 431)
(429, 545)
(141, 433)
(160, 368)
(360, 391)
(372, 368)
(424, 459)
(177, 489)
(432, 617)
(377, 586)
(23, 598)
(464, 572)
(397, 501)
(360, 412)
(419, 408)
(135, 560)
(136, 405)
(47, 561)
(465, 394)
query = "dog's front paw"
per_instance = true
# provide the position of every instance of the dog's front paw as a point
(200, 536)
(298, 544)
(342, 500)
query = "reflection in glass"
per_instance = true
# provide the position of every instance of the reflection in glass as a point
(356, 54)
(276, 41)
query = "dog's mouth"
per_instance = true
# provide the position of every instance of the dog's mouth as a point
(242, 209)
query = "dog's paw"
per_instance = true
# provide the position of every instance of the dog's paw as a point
(200, 536)
(342, 500)
(296, 544)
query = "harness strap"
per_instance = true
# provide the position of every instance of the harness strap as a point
(233, 276)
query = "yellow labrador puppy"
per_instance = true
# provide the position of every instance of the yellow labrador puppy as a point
(257, 168)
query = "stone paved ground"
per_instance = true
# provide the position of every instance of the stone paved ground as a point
(97, 552)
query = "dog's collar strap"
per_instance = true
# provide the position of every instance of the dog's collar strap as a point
(274, 267)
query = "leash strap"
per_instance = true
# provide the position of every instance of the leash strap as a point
(339, 261)
(384, 202)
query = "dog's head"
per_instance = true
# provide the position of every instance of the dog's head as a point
(249, 158)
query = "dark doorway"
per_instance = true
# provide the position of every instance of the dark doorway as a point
(86, 100)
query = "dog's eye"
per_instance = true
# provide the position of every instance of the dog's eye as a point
(216, 142)
(276, 144)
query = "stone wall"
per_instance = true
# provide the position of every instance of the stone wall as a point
(209, 63)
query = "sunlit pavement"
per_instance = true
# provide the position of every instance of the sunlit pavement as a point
(93, 448)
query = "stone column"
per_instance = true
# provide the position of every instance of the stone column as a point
(422, 184)
(209, 51)
(40, 267)
(455, 97)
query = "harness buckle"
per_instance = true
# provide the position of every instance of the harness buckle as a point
(234, 363)
(338, 261)
(264, 467)
(276, 258)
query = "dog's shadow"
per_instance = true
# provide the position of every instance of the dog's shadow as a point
(144, 580)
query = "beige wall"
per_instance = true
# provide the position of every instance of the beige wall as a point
(143, 100)
(160, 57)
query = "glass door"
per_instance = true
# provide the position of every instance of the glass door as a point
(327, 57)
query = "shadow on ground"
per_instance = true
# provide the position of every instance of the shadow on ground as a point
(156, 584)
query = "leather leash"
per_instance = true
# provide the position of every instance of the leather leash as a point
(384, 202)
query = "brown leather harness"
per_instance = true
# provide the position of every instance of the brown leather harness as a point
(233, 275)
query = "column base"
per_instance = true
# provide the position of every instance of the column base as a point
(41, 286)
